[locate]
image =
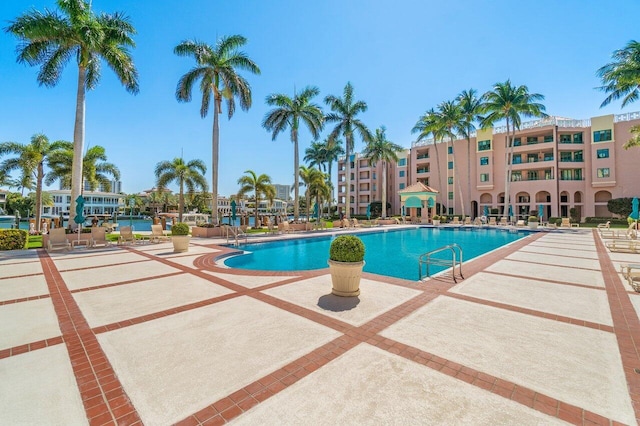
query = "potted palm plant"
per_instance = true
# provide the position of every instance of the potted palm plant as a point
(180, 237)
(346, 260)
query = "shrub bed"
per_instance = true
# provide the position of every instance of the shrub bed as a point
(613, 220)
(13, 239)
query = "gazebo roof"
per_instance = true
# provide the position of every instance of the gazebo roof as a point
(417, 187)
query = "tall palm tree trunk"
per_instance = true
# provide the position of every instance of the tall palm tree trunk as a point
(296, 167)
(435, 146)
(469, 171)
(214, 161)
(331, 189)
(256, 222)
(78, 141)
(347, 200)
(507, 177)
(181, 201)
(456, 178)
(39, 177)
(384, 189)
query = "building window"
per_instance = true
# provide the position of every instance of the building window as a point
(484, 177)
(532, 175)
(517, 159)
(450, 165)
(401, 173)
(484, 145)
(602, 135)
(548, 138)
(565, 138)
(603, 153)
(577, 138)
(450, 180)
(450, 150)
(451, 195)
(401, 186)
(517, 142)
(484, 161)
(450, 210)
(516, 176)
(603, 173)
(374, 176)
(374, 187)
(532, 140)
(402, 162)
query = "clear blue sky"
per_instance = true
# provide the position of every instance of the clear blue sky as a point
(402, 57)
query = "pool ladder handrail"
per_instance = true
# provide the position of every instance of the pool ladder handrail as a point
(456, 259)
(236, 233)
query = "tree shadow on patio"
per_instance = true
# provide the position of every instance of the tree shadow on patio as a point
(331, 302)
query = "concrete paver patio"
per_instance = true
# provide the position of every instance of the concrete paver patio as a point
(541, 331)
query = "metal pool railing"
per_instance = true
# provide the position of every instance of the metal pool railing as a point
(456, 260)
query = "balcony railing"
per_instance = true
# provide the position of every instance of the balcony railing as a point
(422, 156)
(422, 171)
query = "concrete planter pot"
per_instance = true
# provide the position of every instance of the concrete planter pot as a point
(533, 225)
(180, 243)
(345, 278)
(435, 222)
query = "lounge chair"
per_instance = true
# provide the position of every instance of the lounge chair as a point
(99, 237)
(492, 221)
(284, 227)
(58, 240)
(503, 221)
(126, 236)
(415, 220)
(157, 234)
(467, 220)
(354, 223)
(604, 225)
(520, 223)
(566, 223)
(625, 246)
(456, 221)
(477, 221)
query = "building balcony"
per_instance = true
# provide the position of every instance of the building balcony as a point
(422, 170)
(422, 156)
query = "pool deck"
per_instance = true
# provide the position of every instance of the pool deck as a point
(541, 331)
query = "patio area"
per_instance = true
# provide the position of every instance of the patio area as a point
(541, 331)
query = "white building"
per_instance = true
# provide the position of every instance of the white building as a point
(283, 192)
(94, 202)
(115, 186)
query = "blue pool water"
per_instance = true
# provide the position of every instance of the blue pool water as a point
(393, 252)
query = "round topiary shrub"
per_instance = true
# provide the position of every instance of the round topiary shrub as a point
(180, 228)
(347, 248)
(533, 218)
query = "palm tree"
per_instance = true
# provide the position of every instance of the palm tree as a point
(427, 126)
(333, 150)
(510, 103)
(217, 70)
(313, 180)
(471, 105)
(190, 174)
(381, 149)
(288, 113)
(95, 170)
(259, 185)
(51, 39)
(316, 155)
(621, 78)
(344, 112)
(450, 122)
(30, 160)
(635, 137)
(319, 188)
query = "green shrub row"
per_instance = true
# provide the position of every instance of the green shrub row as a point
(13, 239)
(614, 221)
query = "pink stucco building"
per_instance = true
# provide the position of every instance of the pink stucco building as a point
(558, 164)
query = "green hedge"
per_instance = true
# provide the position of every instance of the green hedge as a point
(613, 220)
(13, 239)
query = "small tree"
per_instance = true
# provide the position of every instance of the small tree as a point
(620, 206)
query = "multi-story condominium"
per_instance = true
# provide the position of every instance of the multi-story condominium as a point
(94, 202)
(365, 185)
(558, 164)
(283, 192)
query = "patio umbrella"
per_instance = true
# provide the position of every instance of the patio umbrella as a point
(485, 213)
(403, 211)
(316, 211)
(540, 210)
(233, 211)
(510, 211)
(634, 212)
(79, 219)
(369, 211)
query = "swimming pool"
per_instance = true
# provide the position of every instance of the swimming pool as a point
(391, 252)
